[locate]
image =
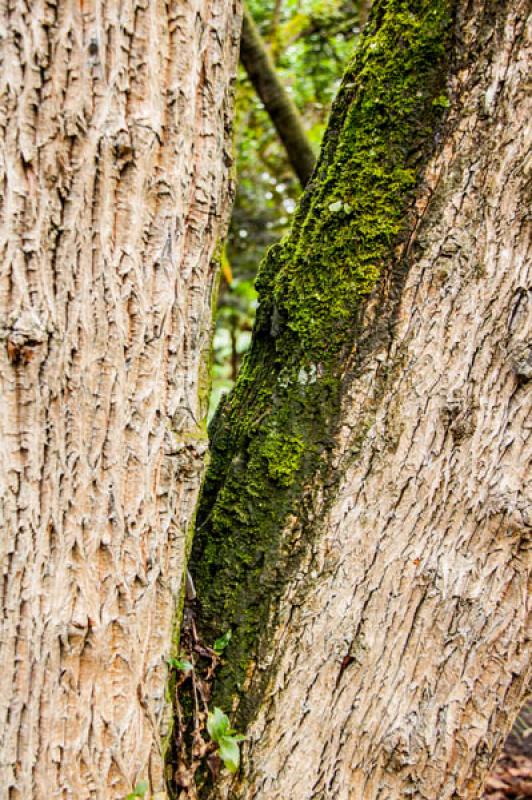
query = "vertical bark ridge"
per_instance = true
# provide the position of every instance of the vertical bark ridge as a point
(115, 119)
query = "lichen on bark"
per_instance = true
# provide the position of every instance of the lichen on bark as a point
(271, 437)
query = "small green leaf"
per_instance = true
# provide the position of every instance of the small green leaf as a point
(347, 208)
(139, 791)
(230, 753)
(181, 663)
(336, 206)
(221, 643)
(217, 724)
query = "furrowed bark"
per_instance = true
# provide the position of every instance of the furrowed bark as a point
(365, 523)
(277, 102)
(115, 126)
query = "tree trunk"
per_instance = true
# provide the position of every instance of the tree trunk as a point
(365, 523)
(115, 151)
(278, 104)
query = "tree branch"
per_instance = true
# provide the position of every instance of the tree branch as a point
(278, 104)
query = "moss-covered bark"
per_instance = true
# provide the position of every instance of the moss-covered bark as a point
(272, 436)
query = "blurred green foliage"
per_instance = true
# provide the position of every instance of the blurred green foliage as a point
(310, 42)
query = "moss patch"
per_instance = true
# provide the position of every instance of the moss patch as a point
(282, 453)
(271, 438)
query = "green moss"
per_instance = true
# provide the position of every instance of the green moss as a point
(354, 209)
(272, 437)
(282, 453)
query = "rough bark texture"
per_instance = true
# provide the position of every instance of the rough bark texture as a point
(393, 660)
(115, 121)
(277, 102)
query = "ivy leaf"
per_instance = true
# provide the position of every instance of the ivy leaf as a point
(230, 753)
(222, 642)
(217, 725)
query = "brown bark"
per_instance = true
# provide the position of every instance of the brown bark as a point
(115, 125)
(364, 9)
(277, 102)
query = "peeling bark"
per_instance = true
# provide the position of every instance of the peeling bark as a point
(396, 656)
(115, 127)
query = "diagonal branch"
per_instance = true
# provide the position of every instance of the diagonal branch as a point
(278, 104)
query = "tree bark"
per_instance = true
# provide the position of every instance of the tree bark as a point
(278, 104)
(365, 523)
(115, 126)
